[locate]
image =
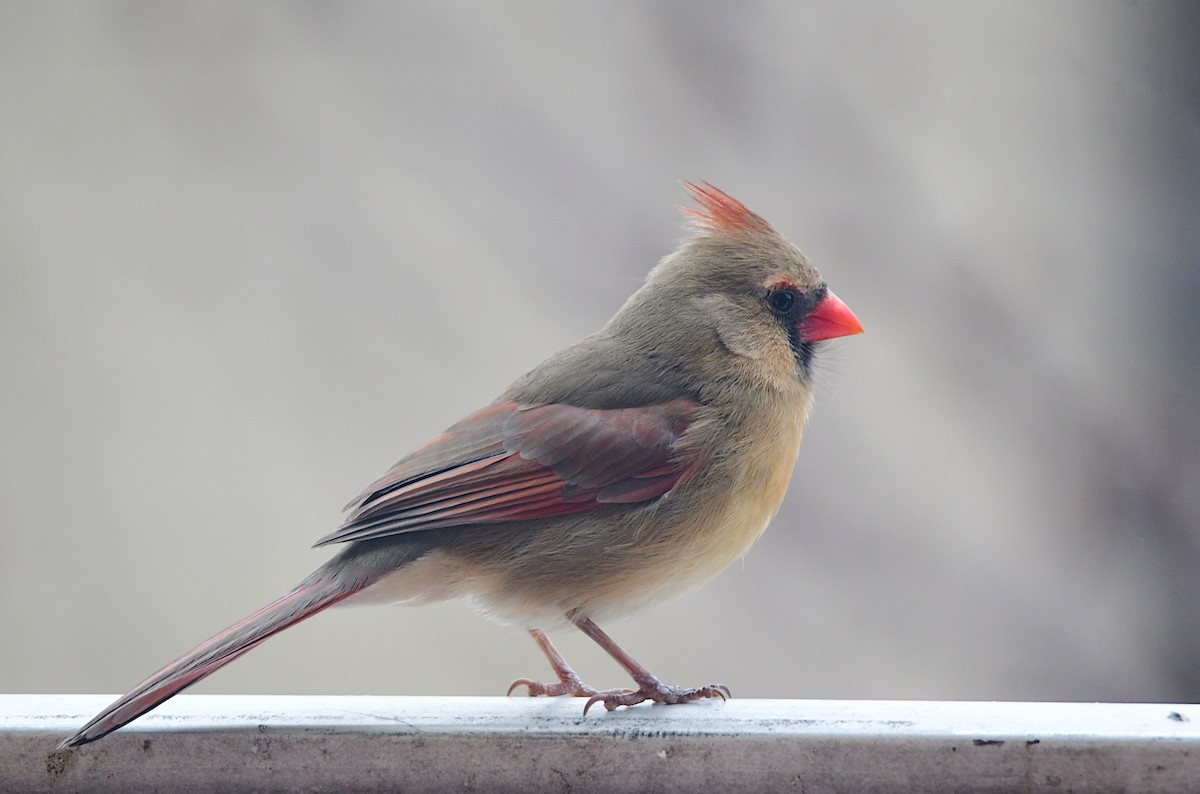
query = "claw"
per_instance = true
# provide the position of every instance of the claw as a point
(525, 682)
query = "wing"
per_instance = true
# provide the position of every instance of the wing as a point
(514, 462)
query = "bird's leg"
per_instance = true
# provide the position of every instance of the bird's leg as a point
(649, 687)
(569, 682)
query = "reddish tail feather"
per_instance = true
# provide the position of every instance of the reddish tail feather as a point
(309, 598)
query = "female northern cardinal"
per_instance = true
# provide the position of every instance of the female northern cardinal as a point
(634, 464)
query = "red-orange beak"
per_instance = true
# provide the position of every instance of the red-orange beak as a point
(832, 318)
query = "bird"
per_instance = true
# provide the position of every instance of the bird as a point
(633, 465)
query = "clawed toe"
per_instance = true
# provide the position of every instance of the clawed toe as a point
(658, 693)
(567, 686)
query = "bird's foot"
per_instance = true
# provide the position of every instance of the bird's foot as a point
(568, 683)
(658, 692)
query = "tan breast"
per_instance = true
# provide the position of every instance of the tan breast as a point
(759, 480)
(727, 508)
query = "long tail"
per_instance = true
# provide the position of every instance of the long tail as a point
(339, 579)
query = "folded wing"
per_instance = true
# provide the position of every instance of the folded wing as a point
(514, 462)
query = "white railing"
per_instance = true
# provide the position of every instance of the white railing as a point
(255, 743)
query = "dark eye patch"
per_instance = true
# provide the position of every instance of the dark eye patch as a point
(791, 303)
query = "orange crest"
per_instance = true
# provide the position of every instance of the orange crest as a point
(721, 212)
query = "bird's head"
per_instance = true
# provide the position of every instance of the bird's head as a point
(737, 296)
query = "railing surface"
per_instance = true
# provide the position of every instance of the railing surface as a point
(257, 743)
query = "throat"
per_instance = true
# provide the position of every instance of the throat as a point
(802, 353)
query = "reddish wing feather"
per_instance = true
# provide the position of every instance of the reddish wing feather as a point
(512, 462)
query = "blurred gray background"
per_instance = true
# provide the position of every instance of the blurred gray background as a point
(251, 254)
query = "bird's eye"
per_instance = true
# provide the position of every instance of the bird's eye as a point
(782, 301)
